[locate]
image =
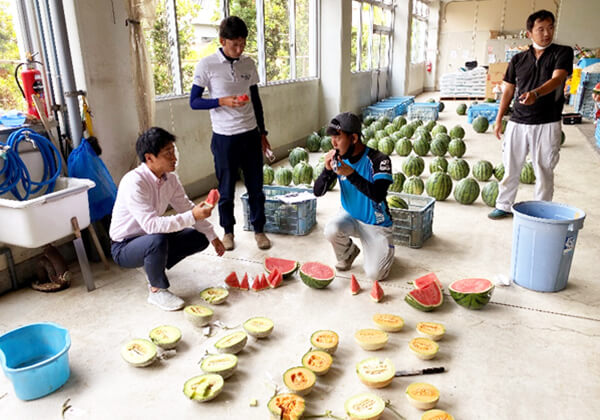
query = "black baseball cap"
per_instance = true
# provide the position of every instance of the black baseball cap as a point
(347, 122)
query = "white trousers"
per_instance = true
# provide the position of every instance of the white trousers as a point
(377, 244)
(542, 142)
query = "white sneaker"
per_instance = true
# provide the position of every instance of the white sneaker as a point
(165, 300)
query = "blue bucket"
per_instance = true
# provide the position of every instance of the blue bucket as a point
(36, 359)
(544, 238)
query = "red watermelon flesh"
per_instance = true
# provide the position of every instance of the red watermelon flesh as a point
(426, 298)
(471, 285)
(264, 284)
(317, 270)
(426, 279)
(276, 280)
(213, 197)
(376, 292)
(354, 286)
(256, 283)
(232, 281)
(285, 267)
(244, 283)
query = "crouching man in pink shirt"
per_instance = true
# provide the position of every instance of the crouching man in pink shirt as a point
(141, 235)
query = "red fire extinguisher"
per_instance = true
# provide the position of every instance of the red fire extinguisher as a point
(428, 67)
(32, 85)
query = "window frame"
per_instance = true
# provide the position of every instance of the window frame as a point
(380, 30)
(421, 17)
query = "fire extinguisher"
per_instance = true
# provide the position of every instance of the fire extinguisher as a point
(32, 85)
(428, 67)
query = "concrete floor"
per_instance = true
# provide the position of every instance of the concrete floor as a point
(526, 355)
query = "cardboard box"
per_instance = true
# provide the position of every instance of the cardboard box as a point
(494, 77)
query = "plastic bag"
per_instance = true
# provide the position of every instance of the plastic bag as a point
(83, 162)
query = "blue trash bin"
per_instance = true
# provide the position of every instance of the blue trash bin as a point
(544, 237)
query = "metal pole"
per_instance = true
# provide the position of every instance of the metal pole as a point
(66, 69)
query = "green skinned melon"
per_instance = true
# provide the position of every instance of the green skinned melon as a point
(259, 327)
(489, 193)
(326, 145)
(302, 174)
(214, 295)
(268, 175)
(407, 131)
(316, 275)
(198, 315)
(139, 352)
(396, 202)
(399, 122)
(297, 155)
(439, 129)
(203, 388)
(439, 186)
(461, 109)
(165, 336)
(457, 132)
(499, 171)
(283, 176)
(318, 361)
(527, 175)
(413, 165)
(372, 144)
(390, 129)
(481, 124)
(429, 125)
(383, 120)
(458, 169)
(471, 293)
(457, 148)
(325, 340)
(365, 406)
(232, 343)
(285, 267)
(398, 182)
(483, 170)
(421, 146)
(386, 146)
(413, 185)
(438, 164)
(439, 147)
(403, 147)
(220, 364)
(313, 142)
(380, 134)
(368, 120)
(423, 135)
(466, 191)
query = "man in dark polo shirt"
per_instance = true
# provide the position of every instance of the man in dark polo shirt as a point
(535, 78)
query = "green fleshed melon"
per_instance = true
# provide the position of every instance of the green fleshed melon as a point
(421, 146)
(203, 388)
(527, 175)
(483, 170)
(425, 298)
(386, 146)
(438, 147)
(232, 343)
(480, 124)
(326, 145)
(499, 171)
(268, 175)
(457, 148)
(457, 132)
(297, 155)
(220, 364)
(489, 193)
(439, 186)
(285, 267)
(461, 109)
(413, 165)
(403, 147)
(396, 202)
(466, 191)
(458, 169)
(439, 129)
(398, 182)
(471, 293)
(259, 326)
(375, 372)
(283, 176)
(139, 352)
(316, 274)
(286, 406)
(302, 174)
(313, 142)
(438, 164)
(413, 185)
(365, 406)
(165, 336)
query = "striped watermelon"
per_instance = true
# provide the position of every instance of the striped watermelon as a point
(489, 193)
(313, 142)
(438, 147)
(390, 129)
(499, 171)
(268, 175)
(283, 176)
(457, 148)
(417, 122)
(466, 191)
(527, 174)
(480, 124)
(386, 145)
(368, 120)
(302, 174)
(429, 125)
(483, 170)
(399, 122)
(471, 293)
(396, 202)
(421, 146)
(297, 155)
(461, 109)
(439, 186)
(443, 136)
(316, 275)
(403, 147)
(396, 136)
(457, 132)
(398, 182)
(423, 135)
(407, 131)
(413, 185)
(285, 267)
(440, 128)
(413, 165)
(438, 164)
(383, 120)
(425, 298)
(458, 169)
(379, 134)
(326, 145)
(373, 143)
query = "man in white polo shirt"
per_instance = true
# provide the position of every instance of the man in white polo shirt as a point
(239, 136)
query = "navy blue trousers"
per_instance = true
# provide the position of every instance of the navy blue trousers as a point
(158, 252)
(230, 154)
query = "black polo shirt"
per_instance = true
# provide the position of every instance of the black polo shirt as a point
(529, 73)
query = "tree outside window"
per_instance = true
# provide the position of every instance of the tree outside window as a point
(10, 96)
(372, 23)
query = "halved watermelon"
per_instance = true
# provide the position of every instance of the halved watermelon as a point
(426, 279)
(471, 293)
(232, 281)
(316, 275)
(213, 197)
(244, 285)
(285, 267)
(354, 286)
(426, 298)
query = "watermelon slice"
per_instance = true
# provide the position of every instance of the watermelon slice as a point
(376, 292)
(354, 286)
(232, 281)
(316, 275)
(285, 267)
(244, 282)
(213, 197)
(426, 298)
(264, 284)
(275, 279)
(426, 279)
(471, 293)
(256, 283)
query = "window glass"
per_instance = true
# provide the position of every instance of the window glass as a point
(277, 41)
(354, 41)
(246, 10)
(366, 18)
(10, 96)
(303, 47)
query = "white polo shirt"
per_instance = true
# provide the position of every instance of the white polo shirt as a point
(224, 78)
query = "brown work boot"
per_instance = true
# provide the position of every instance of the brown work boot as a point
(346, 264)
(228, 241)
(262, 241)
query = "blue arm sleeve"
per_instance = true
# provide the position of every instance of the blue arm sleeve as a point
(198, 102)
(258, 110)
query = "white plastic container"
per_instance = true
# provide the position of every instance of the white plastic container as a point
(47, 218)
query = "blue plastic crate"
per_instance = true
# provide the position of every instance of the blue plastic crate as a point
(423, 111)
(584, 62)
(413, 226)
(380, 110)
(401, 102)
(598, 133)
(291, 219)
(487, 110)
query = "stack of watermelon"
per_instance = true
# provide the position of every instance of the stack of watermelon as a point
(427, 294)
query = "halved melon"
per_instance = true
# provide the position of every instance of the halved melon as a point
(286, 407)
(422, 395)
(221, 364)
(258, 327)
(472, 293)
(432, 330)
(165, 336)
(424, 348)
(198, 315)
(371, 339)
(203, 388)
(436, 415)
(232, 343)
(316, 275)
(285, 267)
(214, 295)
(325, 340)
(318, 361)
(388, 322)
(139, 352)
(299, 380)
(365, 406)
(375, 373)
